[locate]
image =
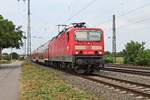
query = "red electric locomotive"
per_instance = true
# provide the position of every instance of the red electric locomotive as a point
(77, 48)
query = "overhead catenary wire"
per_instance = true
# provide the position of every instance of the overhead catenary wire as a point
(135, 9)
(79, 11)
(130, 11)
(136, 22)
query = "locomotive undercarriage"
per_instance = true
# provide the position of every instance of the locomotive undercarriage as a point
(80, 64)
(88, 64)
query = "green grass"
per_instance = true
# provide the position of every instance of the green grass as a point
(40, 84)
(119, 60)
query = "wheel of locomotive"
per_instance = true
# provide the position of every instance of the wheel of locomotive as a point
(90, 71)
(63, 65)
(46, 63)
(101, 66)
(93, 69)
(68, 67)
(79, 70)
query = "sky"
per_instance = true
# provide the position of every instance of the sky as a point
(132, 18)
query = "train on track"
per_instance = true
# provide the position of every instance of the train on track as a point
(76, 48)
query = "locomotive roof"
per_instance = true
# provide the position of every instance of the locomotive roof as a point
(67, 27)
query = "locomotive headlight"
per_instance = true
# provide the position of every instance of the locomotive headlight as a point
(76, 52)
(80, 47)
(100, 52)
(96, 47)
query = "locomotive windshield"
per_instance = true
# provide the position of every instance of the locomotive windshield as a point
(88, 35)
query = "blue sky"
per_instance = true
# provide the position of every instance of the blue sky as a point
(132, 18)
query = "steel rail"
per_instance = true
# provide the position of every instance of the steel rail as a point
(128, 66)
(143, 93)
(126, 70)
(125, 81)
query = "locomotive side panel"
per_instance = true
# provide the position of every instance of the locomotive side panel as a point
(59, 49)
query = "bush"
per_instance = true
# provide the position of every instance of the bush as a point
(5, 56)
(108, 59)
(143, 58)
(131, 51)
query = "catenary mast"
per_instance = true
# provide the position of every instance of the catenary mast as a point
(28, 31)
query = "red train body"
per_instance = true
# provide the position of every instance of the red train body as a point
(77, 48)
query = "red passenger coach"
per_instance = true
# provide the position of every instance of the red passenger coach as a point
(77, 48)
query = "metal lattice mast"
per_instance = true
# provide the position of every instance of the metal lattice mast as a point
(28, 45)
(29, 32)
(114, 40)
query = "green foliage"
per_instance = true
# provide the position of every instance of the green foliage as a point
(14, 55)
(131, 51)
(6, 56)
(108, 57)
(10, 35)
(143, 58)
(135, 53)
(119, 54)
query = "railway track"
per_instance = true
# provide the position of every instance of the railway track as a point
(126, 86)
(128, 66)
(128, 70)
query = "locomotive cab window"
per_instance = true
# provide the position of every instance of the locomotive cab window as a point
(88, 36)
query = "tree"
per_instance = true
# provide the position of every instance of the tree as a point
(10, 35)
(131, 51)
(119, 54)
(6, 56)
(143, 58)
(14, 55)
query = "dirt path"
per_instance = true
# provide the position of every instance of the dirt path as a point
(9, 81)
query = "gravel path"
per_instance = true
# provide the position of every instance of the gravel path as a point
(9, 81)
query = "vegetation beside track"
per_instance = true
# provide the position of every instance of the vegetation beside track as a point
(134, 53)
(40, 84)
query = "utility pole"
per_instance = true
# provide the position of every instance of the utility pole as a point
(114, 40)
(28, 31)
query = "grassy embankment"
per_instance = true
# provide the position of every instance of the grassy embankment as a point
(40, 84)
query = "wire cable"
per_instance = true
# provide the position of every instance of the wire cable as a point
(130, 11)
(82, 9)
